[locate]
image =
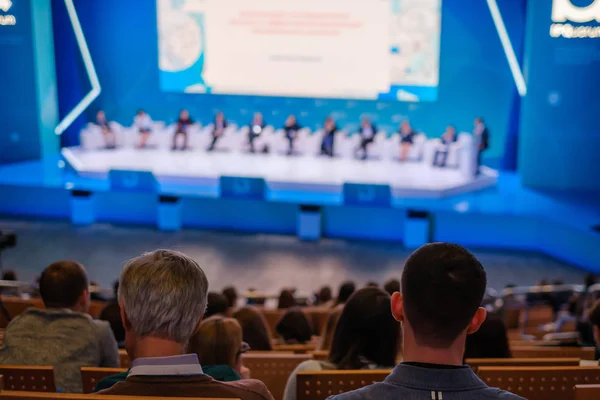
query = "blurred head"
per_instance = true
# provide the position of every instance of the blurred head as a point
(64, 284)
(405, 126)
(329, 123)
(9, 275)
(490, 341)
(291, 120)
(286, 299)
(442, 289)
(392, 286)
(163, 294)
(294, 327)
(371, 284)
(220, 116)
(217, 305)
(100, 116)
(365, 121)
(329, 329)
(324, 295)
(231, 294)
(346, 290)
(254, 328)
(478, 121)
(366, 333)
(184, 114)
(141, 112)
(451, 130)
(218, 341)
(594, 318)
(589, 280)
(258, 118)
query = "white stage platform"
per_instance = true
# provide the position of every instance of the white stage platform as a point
(297, 173)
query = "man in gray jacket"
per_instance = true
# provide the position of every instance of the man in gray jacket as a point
(62, 335)
(442, 288)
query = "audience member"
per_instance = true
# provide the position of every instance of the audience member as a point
(329, 328)
(442, 287)
(392, 286)
(286, 299)
(62, 334)
(366, 337)
(231, 295)
(294, 327)
(346, 290)
(111, 313)
(254, 328)
(218, 342)
(217, 305)
(10, 276)
(490, 341)
(163, 297)
(324, 297)
(594, 319)
(371, 284)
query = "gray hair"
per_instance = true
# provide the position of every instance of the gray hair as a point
(164, 293)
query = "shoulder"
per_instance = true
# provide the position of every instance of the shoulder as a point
(251, 385)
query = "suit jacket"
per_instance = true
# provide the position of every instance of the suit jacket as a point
(485, 138)
(290, 130)
(373, 129)
(215, 126)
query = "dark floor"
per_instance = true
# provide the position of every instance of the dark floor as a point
(266, 262)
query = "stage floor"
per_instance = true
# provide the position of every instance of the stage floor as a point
(295, 173)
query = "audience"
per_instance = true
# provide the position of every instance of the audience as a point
(392, 286)
(232, 296)
(286, 299)
(345, 291)
(442, 289)
(111, 313)
(324, 297)
(329, 329)
(490, 341)
(11, 276)
(163, 297)
(63, 334)
(254, 328)
(294, 327)
(218, 342)
(217, 305)
(366, 337)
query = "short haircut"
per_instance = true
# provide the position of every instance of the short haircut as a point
(442, 286)
(62, 283)
(392, 286)
(218, 341)
(164, 294)
(345, 291)
(594, 315)
(217, 304)
(294, 327)
(231, 294)
(254, 328)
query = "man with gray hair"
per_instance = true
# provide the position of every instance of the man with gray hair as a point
(163, 296)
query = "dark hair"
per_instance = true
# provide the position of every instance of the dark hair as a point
(9, 275)
(231, 294)
(366, 332)
(254, 328)
(217, 304)
(62, 284)
(324, 295)
(392, 286)
(286, 299)
(490, 341)
(371, 284)
(294, 327)
(346, 290)
(594, 315)
(589, 280)
(442, 288)
(112, 314)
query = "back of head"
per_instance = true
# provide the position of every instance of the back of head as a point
(294, 327)
(62, 283)
(392, 286)
(346, 290)
(164, 294)
(324, 295)
(286, 299)
(442, 287)
(231, 294)
(254, 328)
(9, 275)
(218, 341)
(490, 341)
(217, 305)
(366, 332)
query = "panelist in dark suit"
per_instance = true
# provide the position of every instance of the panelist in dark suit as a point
(407, 136)
(482, 133)
(329, 131)
(441, 154)
(367, 136)
(183, 124)
(218, 129)
(256, 127)
(110, 140)
(291, 129)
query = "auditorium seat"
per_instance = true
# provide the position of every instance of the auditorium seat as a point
(587, 392)
(90, 376)
(583, 353)
(273, 369)
(296, 348)
(124, 360)
(540, 383)
(320, 355)
(475, 363)
(30, 378)
(13, 395)
(321, 384)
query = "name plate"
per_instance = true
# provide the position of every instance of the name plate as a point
(132, 181)
(357, 194)
(242, 188)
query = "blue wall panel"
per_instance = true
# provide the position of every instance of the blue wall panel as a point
(364, 223)
(35, 201)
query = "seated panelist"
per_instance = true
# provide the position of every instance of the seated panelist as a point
(407, 136)
(291, 129)
(441, 153)
(110, 140)
(219, 127)
(183, 124)
(256, 128)
(329, 131)
(367, 134)
(143, 123)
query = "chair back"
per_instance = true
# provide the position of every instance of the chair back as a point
(272, 317)
(124, 361)
(29, 378)
(540, 383)
(12, 395)
(475, 363)
(295, 348)
(321, 384)
(587, 392)
(320, 355)
(16, 306)
(273, 369)
(583, 353)
(90, 376)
